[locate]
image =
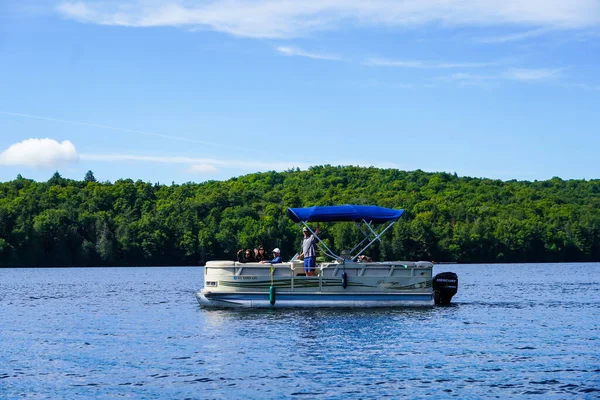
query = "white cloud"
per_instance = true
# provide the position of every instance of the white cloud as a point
(201, 169)
(40, 153)
(383, 62)
(76, 10)
(532, 74)
(291, 51)
(290, 18)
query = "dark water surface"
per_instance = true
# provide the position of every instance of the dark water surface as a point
(515, 331)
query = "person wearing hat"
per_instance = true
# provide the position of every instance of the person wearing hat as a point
(276, 257)
(309, 251)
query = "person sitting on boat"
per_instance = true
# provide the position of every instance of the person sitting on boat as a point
(309, 251)
(245, 256)
(261, 255)
(276, 257)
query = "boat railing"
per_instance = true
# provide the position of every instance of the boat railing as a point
(296, 268)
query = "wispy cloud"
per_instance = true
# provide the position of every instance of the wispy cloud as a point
(590, 34)
(205, 166)
(515, 37)
(78, 10)
(39, 153)
(202, 169)
(375, 83)
(291, 18)
(49, 153)
(293, 51)
(468, 79)
(464, 65)
(201, 163)
(532, 74)
(383, 62)
(117, 129)
(514, 74)
(583, 86)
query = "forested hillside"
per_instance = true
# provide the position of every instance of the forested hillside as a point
(65, 222)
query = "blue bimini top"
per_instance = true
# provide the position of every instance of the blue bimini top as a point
(346, 212)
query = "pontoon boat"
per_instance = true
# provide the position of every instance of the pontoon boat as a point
(342, 282)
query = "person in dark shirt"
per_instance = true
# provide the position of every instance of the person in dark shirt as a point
(261, 255)
(245, 256)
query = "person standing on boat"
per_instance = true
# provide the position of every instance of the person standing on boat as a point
(309, 251)
(276, 257)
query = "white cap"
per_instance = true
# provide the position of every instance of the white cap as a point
(305, 229)
(276, 250)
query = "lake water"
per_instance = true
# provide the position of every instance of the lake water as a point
(514, 331)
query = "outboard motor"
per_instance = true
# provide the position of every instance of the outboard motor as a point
(445, 285)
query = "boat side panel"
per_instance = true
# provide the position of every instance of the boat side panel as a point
(317, 284)
(379, 284)
(241, 277)
(361, 278)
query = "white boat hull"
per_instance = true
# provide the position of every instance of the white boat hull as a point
(310, 300)
(390, 284)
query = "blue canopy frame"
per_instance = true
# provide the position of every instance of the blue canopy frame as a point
(358, 214)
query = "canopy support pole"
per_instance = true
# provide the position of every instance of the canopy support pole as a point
(366, 237)
(377, 237)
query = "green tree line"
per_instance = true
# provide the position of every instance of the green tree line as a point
(65, 222)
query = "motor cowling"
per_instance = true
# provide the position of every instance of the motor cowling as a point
(445, 285)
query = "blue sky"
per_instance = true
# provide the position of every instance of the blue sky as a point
(189, 91)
